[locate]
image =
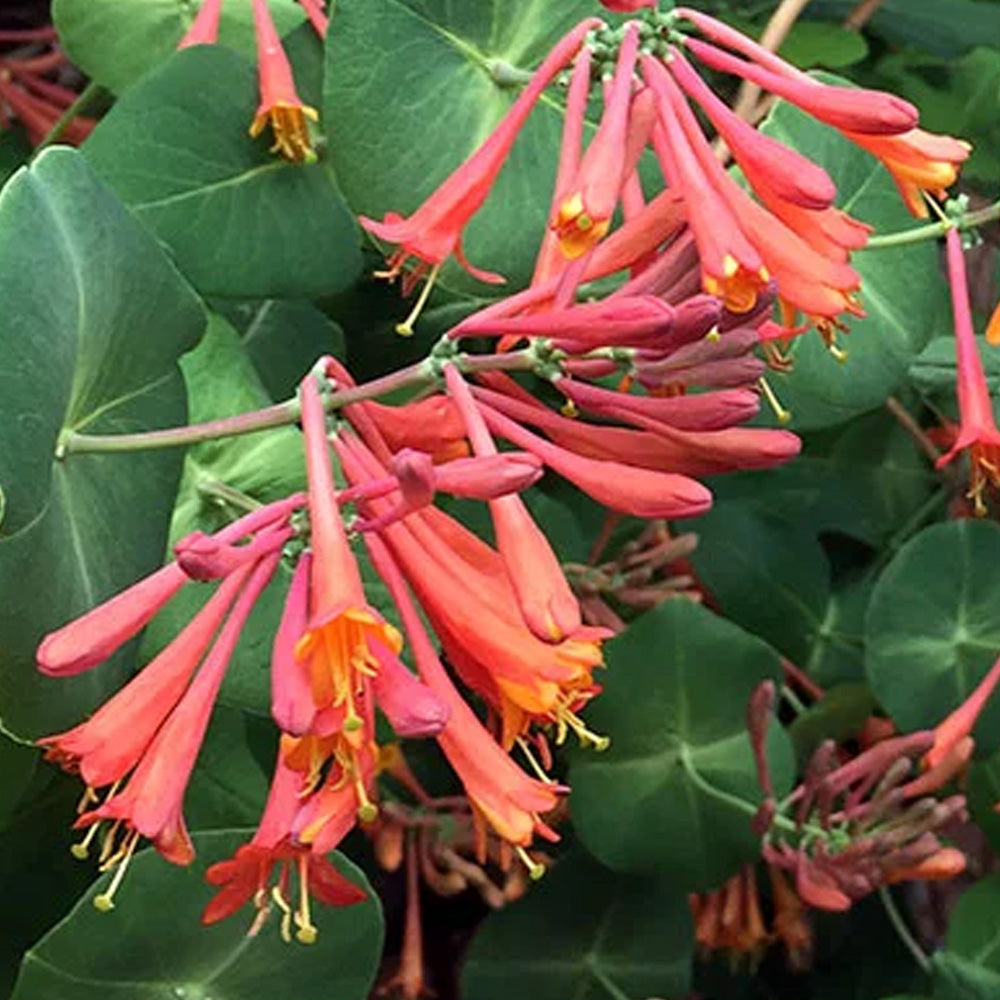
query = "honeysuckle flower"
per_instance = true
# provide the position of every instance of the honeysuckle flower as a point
(510, 801)
(978, 433)
(730, 919)
(548, 605)
(90, 639)
(993, 327)
(626, 488)
(583, 217)
(280, 105)
(431, 425)
(112, 741)
(204, 28)
(343, 637)
(956, 729)
(434, 231)
(151, 801)
(248, 875)
(790, 924)
(742, 244)
(467, 594)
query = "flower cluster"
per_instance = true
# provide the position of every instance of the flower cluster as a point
(858, 825)
(653, 384)
(779, 234)
(32, 89)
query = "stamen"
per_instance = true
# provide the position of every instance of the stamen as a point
(533, 762)
(536, 869)
(307, 932)
(783, 415)
(108, 845)
(405, 329)
(286, 914)
(567, 719)
(105, 901)
(367, 810)
(81, 851)
(89, 795)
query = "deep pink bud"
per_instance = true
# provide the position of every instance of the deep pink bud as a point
(851, 109)
(292, 704)
(411, 707)
(627, 6)
(204, 28)
(93, 637)
(204, 557)
(491, 476)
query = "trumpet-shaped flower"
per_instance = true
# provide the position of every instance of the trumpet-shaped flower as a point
(978, 433)
(280, 105)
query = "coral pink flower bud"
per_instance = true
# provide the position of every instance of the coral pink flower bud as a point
(93, 637)
(203, 557)
(628, 6)
(584, 215)
(204, 28)
(111, 742)
(490, 476)
(411, 707)
(292, 705)
(414, 472)
(852, 109)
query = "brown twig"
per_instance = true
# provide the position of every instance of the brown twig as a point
(781, 23)
(861, 14)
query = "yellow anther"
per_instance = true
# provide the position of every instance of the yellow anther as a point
(536, 869)
(81, 851)
(713, 336)
(405, 329)
(105, 901)
(783, 416)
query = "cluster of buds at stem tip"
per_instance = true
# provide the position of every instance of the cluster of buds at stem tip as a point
(782, 234)
(854, 826)
(33, 88)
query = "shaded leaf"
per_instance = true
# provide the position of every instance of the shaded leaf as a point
(100, 955)
(117, 41)
(932, 631)
(239, 220)
(581, 929)
(90, 346)
(674, 704)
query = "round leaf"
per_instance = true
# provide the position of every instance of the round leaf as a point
(116, 41)
(239, 220)
(94, 319)
(673, 793)
(585, 933)
(411, 91)
(94, 956)
(932, 630)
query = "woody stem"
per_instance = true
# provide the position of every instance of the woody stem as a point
(288, 412)
(935, 230)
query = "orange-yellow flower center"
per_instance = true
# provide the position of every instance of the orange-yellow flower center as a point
(577, 230)
(290, 129)
(737, 286)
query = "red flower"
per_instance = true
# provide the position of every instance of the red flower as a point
(978, 433)
(280, 105)
(434, 231)
(204, 28)
(248, 875)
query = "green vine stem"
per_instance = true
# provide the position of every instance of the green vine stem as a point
(87, 97)
(934, 230)
(422, 373)
(905, 934)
